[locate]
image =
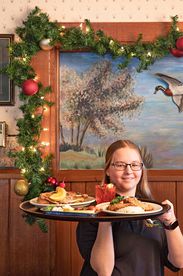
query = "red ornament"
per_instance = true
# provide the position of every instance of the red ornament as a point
(179, 43)
(176, 52)
(30, 87)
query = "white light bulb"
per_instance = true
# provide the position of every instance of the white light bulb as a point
(149, 54)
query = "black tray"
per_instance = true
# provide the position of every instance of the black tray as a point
(101, 216)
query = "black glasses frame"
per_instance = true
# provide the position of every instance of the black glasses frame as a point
(121, 166)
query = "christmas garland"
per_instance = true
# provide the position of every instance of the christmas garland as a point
(37, 33)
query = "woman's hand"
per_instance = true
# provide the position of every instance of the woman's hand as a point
(168, 217)
(174, 237)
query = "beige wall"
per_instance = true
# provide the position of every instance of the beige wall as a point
(14, 11)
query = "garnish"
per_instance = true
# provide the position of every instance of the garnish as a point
(117, 200)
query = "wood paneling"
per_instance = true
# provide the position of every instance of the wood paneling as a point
(29, 247)
(4, 225)
(129, 31)
(179, 195)
(25, 249)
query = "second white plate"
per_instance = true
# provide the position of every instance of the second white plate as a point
(156, 208)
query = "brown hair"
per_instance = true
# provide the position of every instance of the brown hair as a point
(143, 189)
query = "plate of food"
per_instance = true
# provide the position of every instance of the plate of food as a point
(60, 196)
(130, 206)
(68, 210)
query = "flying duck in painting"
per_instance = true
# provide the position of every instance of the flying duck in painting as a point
(174, 89)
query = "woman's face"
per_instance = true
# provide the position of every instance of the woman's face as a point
(125, 180)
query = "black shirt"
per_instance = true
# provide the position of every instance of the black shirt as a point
(139, 249)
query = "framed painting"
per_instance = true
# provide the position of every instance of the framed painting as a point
(60, 132)
(100, 103)
(6, 85)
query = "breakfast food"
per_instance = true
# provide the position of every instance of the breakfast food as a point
(61, 196)
(69, 209)
(58, 195)
(129, 205)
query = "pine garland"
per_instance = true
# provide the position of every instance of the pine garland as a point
(34, 167)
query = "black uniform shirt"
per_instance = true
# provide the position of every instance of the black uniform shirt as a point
(139, 249)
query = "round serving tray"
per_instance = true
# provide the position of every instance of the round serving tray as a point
(27, 207)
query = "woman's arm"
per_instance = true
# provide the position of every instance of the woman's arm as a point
(102, 255)
(174, 237)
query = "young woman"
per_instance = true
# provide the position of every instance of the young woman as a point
(129, 248)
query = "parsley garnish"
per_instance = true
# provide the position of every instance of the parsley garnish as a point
(117, 200)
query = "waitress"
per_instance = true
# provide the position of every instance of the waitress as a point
(130, 248)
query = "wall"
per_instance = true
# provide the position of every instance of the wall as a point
(14, 11)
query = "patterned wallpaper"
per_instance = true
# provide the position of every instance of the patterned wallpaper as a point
(13, 12)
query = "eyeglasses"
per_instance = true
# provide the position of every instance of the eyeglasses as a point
(121, 166)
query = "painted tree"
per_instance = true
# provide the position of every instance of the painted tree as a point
(96, 102)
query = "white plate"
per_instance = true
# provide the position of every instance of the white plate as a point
(89, 200)
(74, 211)
(156, 208)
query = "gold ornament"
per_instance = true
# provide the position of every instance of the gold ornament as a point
(21, 187)
(45, 44)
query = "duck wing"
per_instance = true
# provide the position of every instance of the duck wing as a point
(178, 100)
(175, 85)
(169, 79)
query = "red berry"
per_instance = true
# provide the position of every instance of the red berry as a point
(49, 180)
(54, 181)
(62, 184)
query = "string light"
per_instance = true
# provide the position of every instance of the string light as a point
(32, 116)
(62, 30)
(33, 148)
(36, 78)
(45, 143)
(149, 54)
(87, 29)
(23, 149)
(81, 26)
(42, 97)
(45, 129)
(23, 171)
(45, 108)
(42, 169)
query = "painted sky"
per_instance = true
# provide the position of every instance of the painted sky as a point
(159, 126)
